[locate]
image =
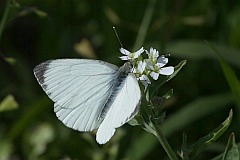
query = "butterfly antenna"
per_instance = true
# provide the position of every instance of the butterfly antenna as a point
(117, 37)
(120, 41)
(167, 55)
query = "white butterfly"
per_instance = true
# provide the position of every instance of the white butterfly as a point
(90, 94)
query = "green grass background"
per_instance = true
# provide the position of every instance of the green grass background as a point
(38, 30)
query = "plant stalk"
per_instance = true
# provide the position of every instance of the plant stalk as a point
(165, 143)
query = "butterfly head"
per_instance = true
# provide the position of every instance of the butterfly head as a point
(127, 67)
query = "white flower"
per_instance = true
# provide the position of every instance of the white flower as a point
(145, 81)
(152, 54)
(140, 68)
(149, 64)
(139, 73)
(162, 61)
(158, 67)
(129, 55)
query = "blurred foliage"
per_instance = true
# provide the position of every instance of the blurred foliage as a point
(207, 140)
(232, 149)
(34, 31)
(8, 103)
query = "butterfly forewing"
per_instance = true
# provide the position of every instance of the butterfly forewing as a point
(80, 89)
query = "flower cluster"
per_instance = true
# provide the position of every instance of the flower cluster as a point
(150, 67)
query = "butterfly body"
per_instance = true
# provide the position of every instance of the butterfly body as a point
(121, 75)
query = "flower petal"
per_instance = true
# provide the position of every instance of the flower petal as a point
(145, 81)
(147, 53)
(124, 51)
(154, 75)
(162, 61)
(124, 58)
(153, 54)
(138, 53)
(151, 50)
(149, 64)
(145, 78)
(141, 66)
(166, 70)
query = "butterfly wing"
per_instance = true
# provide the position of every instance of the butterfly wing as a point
(80, 88)
(124, 107)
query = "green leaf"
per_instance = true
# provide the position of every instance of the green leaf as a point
(232, 150)
(40, 13)
(30, 10)
(158, 118)
(205, 141)
(8, 103)
(168, 95)
(149, 128)
(197, 50)
(231, 77)
(176, 70)
(145, 123)
(164, 79)
(201, 107)
(136, 121)
(184, 152)
(10, 60)
(204, 107)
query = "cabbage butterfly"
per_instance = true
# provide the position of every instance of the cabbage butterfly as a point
(90, 94)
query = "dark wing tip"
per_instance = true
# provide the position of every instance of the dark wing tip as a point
(39, 71)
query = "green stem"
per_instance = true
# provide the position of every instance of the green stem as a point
(4, 17)
(144, 25)
(165, 143)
